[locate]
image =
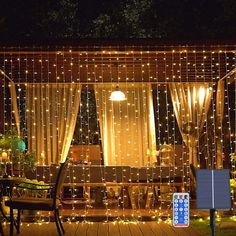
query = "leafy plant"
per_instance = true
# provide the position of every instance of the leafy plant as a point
(233, 185)
(25, 161)
(33, 188)
(7, 140)
(13, 144)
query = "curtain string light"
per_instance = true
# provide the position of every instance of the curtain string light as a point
(17, 63)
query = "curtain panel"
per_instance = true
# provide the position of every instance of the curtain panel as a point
(51, 114)
(220, 95)
(127, 127)
(14, 106)
(191, 103)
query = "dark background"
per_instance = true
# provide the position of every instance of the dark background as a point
(38, 20)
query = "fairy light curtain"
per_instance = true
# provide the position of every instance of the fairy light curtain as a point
(127, 127)
(191, 103)
(51, 112)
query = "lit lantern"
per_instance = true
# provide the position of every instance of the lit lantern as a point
(4, 156)
(18, 145)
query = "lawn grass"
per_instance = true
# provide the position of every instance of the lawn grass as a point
(202, 226)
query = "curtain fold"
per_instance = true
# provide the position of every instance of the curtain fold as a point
(219, 119)
(51, 114)
(191, 103)
(127, 127)
(14, 106)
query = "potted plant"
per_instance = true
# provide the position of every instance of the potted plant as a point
(13, 151)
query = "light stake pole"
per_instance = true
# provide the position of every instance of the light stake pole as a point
(212, 221)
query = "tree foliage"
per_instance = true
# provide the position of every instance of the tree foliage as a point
(73, 19)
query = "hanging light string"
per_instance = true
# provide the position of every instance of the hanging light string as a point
(228, 134)
(186, 170)
(61, 100)
(137, 114)
(208, 160)
(4, 94)
(104, 97)
(213, 117)
(3, 87)
(87, 130)
(151, 175)
(135, 210)
(233, 164)
(126, 117)
(217, 76)
(80, 137)
(209, 156)
(103, 168)
(185, 153)
(173, 129)
(49, 170)
(208, 136)
(158, 135)
(168, 188)
(20, 111)
(228, 115)
(198, 115)
(145, 94)
(10, 101)
(114, 170)
(101, 163)
(86, 141)
(11, 125)
(73, 167)
(81, 141)
(118, 150)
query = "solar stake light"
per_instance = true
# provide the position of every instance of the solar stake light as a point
(213, 192)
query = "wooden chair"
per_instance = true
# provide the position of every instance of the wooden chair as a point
(1, 228)
(51, 203)
(1, 210)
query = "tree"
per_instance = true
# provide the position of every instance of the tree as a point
(132, 19)
(103, 27)
(39, 19)
(139, 19)
(73, 19)
(61, 21)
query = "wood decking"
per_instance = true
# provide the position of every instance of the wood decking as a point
(150, 228)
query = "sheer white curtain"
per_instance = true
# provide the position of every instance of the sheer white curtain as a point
(51, 113)
(14, 106)
(219, 119)
(127, 127)
(191, 102)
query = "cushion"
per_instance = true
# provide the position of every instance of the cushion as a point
(43, 204)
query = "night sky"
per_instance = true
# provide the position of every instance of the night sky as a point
(165, 19)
